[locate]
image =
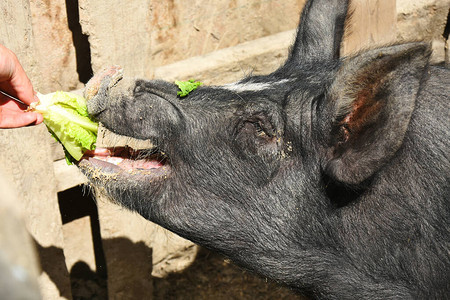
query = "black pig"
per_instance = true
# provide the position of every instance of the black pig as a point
(330, 175)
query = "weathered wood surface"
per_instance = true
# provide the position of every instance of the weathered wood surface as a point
(260, 56)
(24, 156)
(54, 51)
(148, 33)
(373, 22)
(37, 31)
(19, 268)
(183, 29)
(16, 32)
(118, 33)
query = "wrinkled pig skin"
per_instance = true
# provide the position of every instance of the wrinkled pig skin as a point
(330, 175)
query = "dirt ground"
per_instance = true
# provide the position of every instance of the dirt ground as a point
(212, 276)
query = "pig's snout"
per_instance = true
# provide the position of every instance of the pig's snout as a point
(98, 88)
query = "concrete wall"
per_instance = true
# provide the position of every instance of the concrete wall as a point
(61, 43)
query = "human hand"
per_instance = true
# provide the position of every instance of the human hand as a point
(14, 81)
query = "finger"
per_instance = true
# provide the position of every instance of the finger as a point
(7, 60)
(39, 118)
(15, 119)
(7, 103)
(10, 110)
(22, 86)
(13, 77)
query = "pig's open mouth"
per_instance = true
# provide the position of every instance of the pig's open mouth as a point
(126, 160)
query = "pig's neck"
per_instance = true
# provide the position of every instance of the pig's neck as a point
(298, 246)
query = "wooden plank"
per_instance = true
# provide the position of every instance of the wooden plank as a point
(17, 253)
(36, 31)
(260, 56)
(184, 29)
(54, 49)
(66, 176)
(373, 23)
(119, 33)
(16, 32)
(25, 157)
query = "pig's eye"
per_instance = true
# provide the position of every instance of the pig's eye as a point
(257, 128)
(256, 138)
(260, 130)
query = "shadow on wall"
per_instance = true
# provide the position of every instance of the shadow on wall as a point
(53, 263)
(123, 268)
(128, 277)
(211, 276)
(87, 284)
(80, 41)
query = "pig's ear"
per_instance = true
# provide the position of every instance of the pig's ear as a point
(371, 101)
(320, 32)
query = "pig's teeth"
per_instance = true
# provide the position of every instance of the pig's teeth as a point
(100, 152)
(110, 159)
(114, 160)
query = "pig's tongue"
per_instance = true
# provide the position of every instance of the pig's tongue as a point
(123, 162)
(130, 164)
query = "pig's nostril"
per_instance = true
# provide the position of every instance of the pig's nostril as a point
(102, 81)
(97, 89)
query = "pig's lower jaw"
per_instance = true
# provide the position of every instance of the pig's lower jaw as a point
(104, 163)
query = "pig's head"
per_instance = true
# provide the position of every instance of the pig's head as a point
(248, 169)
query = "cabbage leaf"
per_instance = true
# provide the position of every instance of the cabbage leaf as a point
(66, 117)
(187, 86)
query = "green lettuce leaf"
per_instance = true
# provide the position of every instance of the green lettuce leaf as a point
(187, 86)
(66, 117)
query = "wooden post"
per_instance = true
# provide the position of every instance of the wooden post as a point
(38, 34)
